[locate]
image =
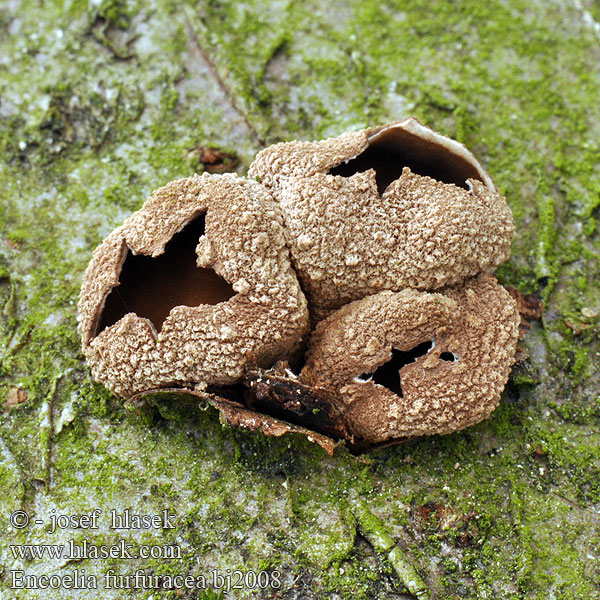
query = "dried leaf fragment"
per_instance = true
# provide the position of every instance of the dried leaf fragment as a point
(15, 396)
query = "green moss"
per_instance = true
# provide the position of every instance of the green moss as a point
(88, 133)
(116, 13)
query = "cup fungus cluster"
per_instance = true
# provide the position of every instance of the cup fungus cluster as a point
(343, 291)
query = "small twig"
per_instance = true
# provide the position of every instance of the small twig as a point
(221, 83)
(374, 531)
(47, 427)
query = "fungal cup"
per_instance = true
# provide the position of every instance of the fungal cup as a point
(363, 261)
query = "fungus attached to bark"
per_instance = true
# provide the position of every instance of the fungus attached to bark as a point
(395, 207)
(192, 289)
(392, 233)
(424, 393)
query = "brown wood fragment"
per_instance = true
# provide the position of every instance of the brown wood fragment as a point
(278, 392)
(238, 415)
(528, 305)
(214, 160)
(15, 396)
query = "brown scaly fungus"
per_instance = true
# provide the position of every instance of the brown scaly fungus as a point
(191, 290)
(389, 208)
(391, 231)
(410, 363)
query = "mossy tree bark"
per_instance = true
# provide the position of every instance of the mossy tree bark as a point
(101, 103)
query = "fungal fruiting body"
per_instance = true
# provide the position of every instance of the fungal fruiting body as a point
(363, 354)
(390, 208)
(239, 303)
(392, 233)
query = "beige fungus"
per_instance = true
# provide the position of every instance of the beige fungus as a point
(389, 208)
(392, 233)
(458, 382)
(263, 320)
